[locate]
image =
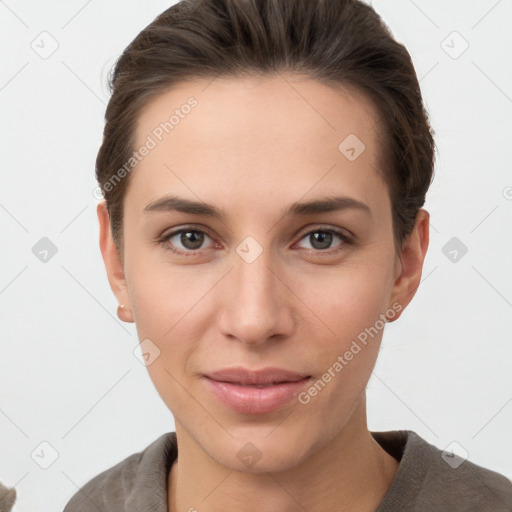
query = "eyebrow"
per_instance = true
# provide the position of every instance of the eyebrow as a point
(171, 203)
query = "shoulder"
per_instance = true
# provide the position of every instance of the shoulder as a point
(429, 478)
(138, 481)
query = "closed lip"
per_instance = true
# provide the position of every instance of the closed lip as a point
(255, 391)
(249, 377)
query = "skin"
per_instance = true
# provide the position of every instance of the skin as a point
(251, 147)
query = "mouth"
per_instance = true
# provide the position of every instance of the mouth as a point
(255, 391)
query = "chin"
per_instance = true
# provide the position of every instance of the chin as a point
(262, 449)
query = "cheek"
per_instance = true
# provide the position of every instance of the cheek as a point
(170, 309)
(348, 301)
(163, 295)
(163, 307)
(352, 306)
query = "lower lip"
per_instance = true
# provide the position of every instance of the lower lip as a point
(253, 400)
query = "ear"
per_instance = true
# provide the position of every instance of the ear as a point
(113, 264)
(410, 263)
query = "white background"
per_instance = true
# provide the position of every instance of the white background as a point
(67, 369)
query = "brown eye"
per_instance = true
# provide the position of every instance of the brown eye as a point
(322, 239)
(186, 240)
(191, 239)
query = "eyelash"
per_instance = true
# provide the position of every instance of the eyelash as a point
(345, 240)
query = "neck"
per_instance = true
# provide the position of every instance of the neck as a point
(351, 472)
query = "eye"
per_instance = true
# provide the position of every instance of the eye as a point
(185, 240)
(188, 240)
(322, 239)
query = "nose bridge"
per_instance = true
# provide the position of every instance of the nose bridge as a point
(255, 284)
(254, 308)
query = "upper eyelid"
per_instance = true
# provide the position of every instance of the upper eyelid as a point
(174, 232)
(337, 230)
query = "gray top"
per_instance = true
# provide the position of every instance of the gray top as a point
(424, 482)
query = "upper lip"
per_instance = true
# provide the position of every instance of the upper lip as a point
(239, 375)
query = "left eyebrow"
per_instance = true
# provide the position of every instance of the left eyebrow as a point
(329, 204)
(173, 203)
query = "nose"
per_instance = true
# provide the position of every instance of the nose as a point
(256, 305)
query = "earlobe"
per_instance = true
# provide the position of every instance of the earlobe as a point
(412, 256)
(113, 264)
(124, 314)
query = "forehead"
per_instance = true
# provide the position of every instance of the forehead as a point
(287, 131)
(260, 107)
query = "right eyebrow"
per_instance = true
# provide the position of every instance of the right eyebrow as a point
(170, 203)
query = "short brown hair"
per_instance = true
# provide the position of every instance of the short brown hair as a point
(337, 42)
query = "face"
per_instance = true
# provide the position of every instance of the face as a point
(259, 263)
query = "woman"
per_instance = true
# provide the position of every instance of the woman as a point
(264, 167)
